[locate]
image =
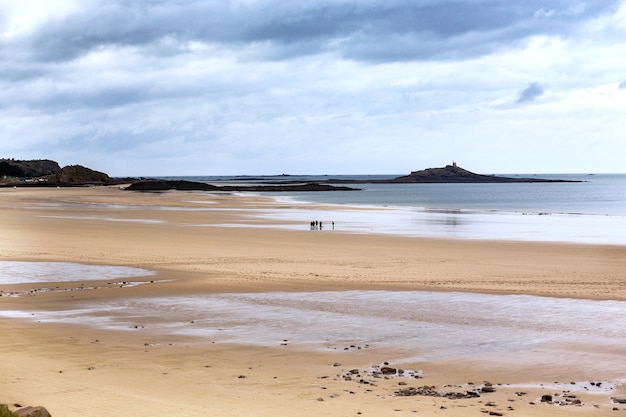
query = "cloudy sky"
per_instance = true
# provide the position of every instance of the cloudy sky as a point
(184, 87)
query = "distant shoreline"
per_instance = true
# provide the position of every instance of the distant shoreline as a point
(46, 173)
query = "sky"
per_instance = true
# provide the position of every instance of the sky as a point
(202, 87)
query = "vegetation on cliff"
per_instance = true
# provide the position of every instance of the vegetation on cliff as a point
(77, 174)
(32, 168)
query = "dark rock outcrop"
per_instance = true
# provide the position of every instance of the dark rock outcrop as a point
(165, 185)
(77, 174)
(386, 370)
(431, 391)
(32, 412)
(488, 387)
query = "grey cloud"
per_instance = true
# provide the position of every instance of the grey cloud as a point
(622, 85)
(106, 98)
(358, 30)
(530, 93)
(15, 72)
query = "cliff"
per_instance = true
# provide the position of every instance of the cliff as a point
(47, 173)
(32, 168)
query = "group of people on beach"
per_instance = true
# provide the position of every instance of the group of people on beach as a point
(317, 225)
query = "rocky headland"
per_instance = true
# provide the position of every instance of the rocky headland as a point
(46, 173)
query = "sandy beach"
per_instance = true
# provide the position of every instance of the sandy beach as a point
(208, 245)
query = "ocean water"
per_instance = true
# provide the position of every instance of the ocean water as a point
(16, 272)
(590, 211)
(595, 195)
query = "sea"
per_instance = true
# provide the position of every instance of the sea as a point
(589, 209)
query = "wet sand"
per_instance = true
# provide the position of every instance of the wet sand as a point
(188, 241)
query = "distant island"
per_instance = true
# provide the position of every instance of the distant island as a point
(455, 174)
(452, 174)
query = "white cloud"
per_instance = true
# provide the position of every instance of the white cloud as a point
(146, 88)
(22, 17)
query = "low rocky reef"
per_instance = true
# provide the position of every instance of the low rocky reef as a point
(165, 185)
